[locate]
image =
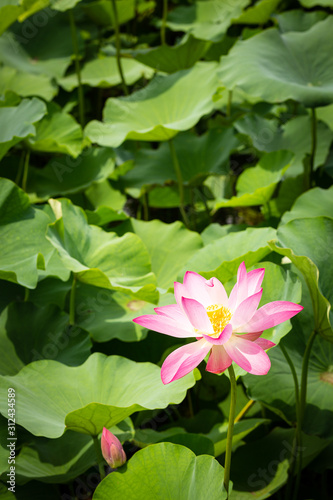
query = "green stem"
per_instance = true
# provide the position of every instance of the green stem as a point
(20, 168)
(99, 456)
(304, 383)
(179, 180)
(164, 18)
(116, 28)
(26, 294)
(25, 170)
(77, 67)
(227, 462)
(297, 443)
(72, 302)
(145, 203)
(244, 410)
(314, 144)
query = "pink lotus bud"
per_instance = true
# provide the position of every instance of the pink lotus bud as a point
(112, 450)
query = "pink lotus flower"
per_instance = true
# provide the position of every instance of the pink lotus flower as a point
(112, 450)
(229, 328)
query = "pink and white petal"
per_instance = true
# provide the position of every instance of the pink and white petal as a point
(242, 289)
(245, 310)
(254, 280)
(163, 324)
(197, 315)
(183, 360)
(219, 360)
(248, 355)
(180, 292)
(232, 302)
(175, 312)
(196, 288)
(265, 344)
(270, 315)
(217, 293)
(223, 337)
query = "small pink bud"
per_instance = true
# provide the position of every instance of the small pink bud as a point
(112, 450)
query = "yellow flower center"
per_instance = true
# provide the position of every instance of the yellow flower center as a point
(219, 316)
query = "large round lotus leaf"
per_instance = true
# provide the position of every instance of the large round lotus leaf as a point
(23, 246)
(99, 258)
(104, 72)
(279, 66)
(298, 20)
(63, 175)
(173, 58)
(294, 136)
(57, 132)
(10, 363)
(312, 3)
(18, 122)
(101, 11)
(222, 257)
(313, 203)
(165, 471)
(9, 12)
(101, 392)
(160, 110)
(198, 157)
(166, 259)
(259, 13)
(26, 84)
(256, 185)
(308, 244)
(206, 20)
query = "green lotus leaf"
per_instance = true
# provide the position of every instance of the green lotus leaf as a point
(279, 66)
(101, 392)
(326, 115)
(104, 73)
(158, 111)
(101, 11)
(206, 20)
(170, 59)
(19, 122)
(44, 333)
(9, 12)
(218, 434)
(63, 175)
(312, 3)
(104, 196)
(307, 242)
(58, 132)
(99, 258)
(167, 471)
(165, 257)
(198, 157)
(294, 136)
(25, 84)
(313, 203)
(222, 257)
(298, 20)
(259, 13)
(107, 315)
(25, 251)
(10, 363)
(40, 56)
(256, 185)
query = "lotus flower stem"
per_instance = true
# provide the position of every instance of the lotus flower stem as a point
(314, 144)
(297, 444)
(25, 170)
(178, 172)
(77, 67)
(164, 18)
(72, 302)
(304, 382)
(117, 33)
(244, 410)
(99, 456)
(227, 461)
